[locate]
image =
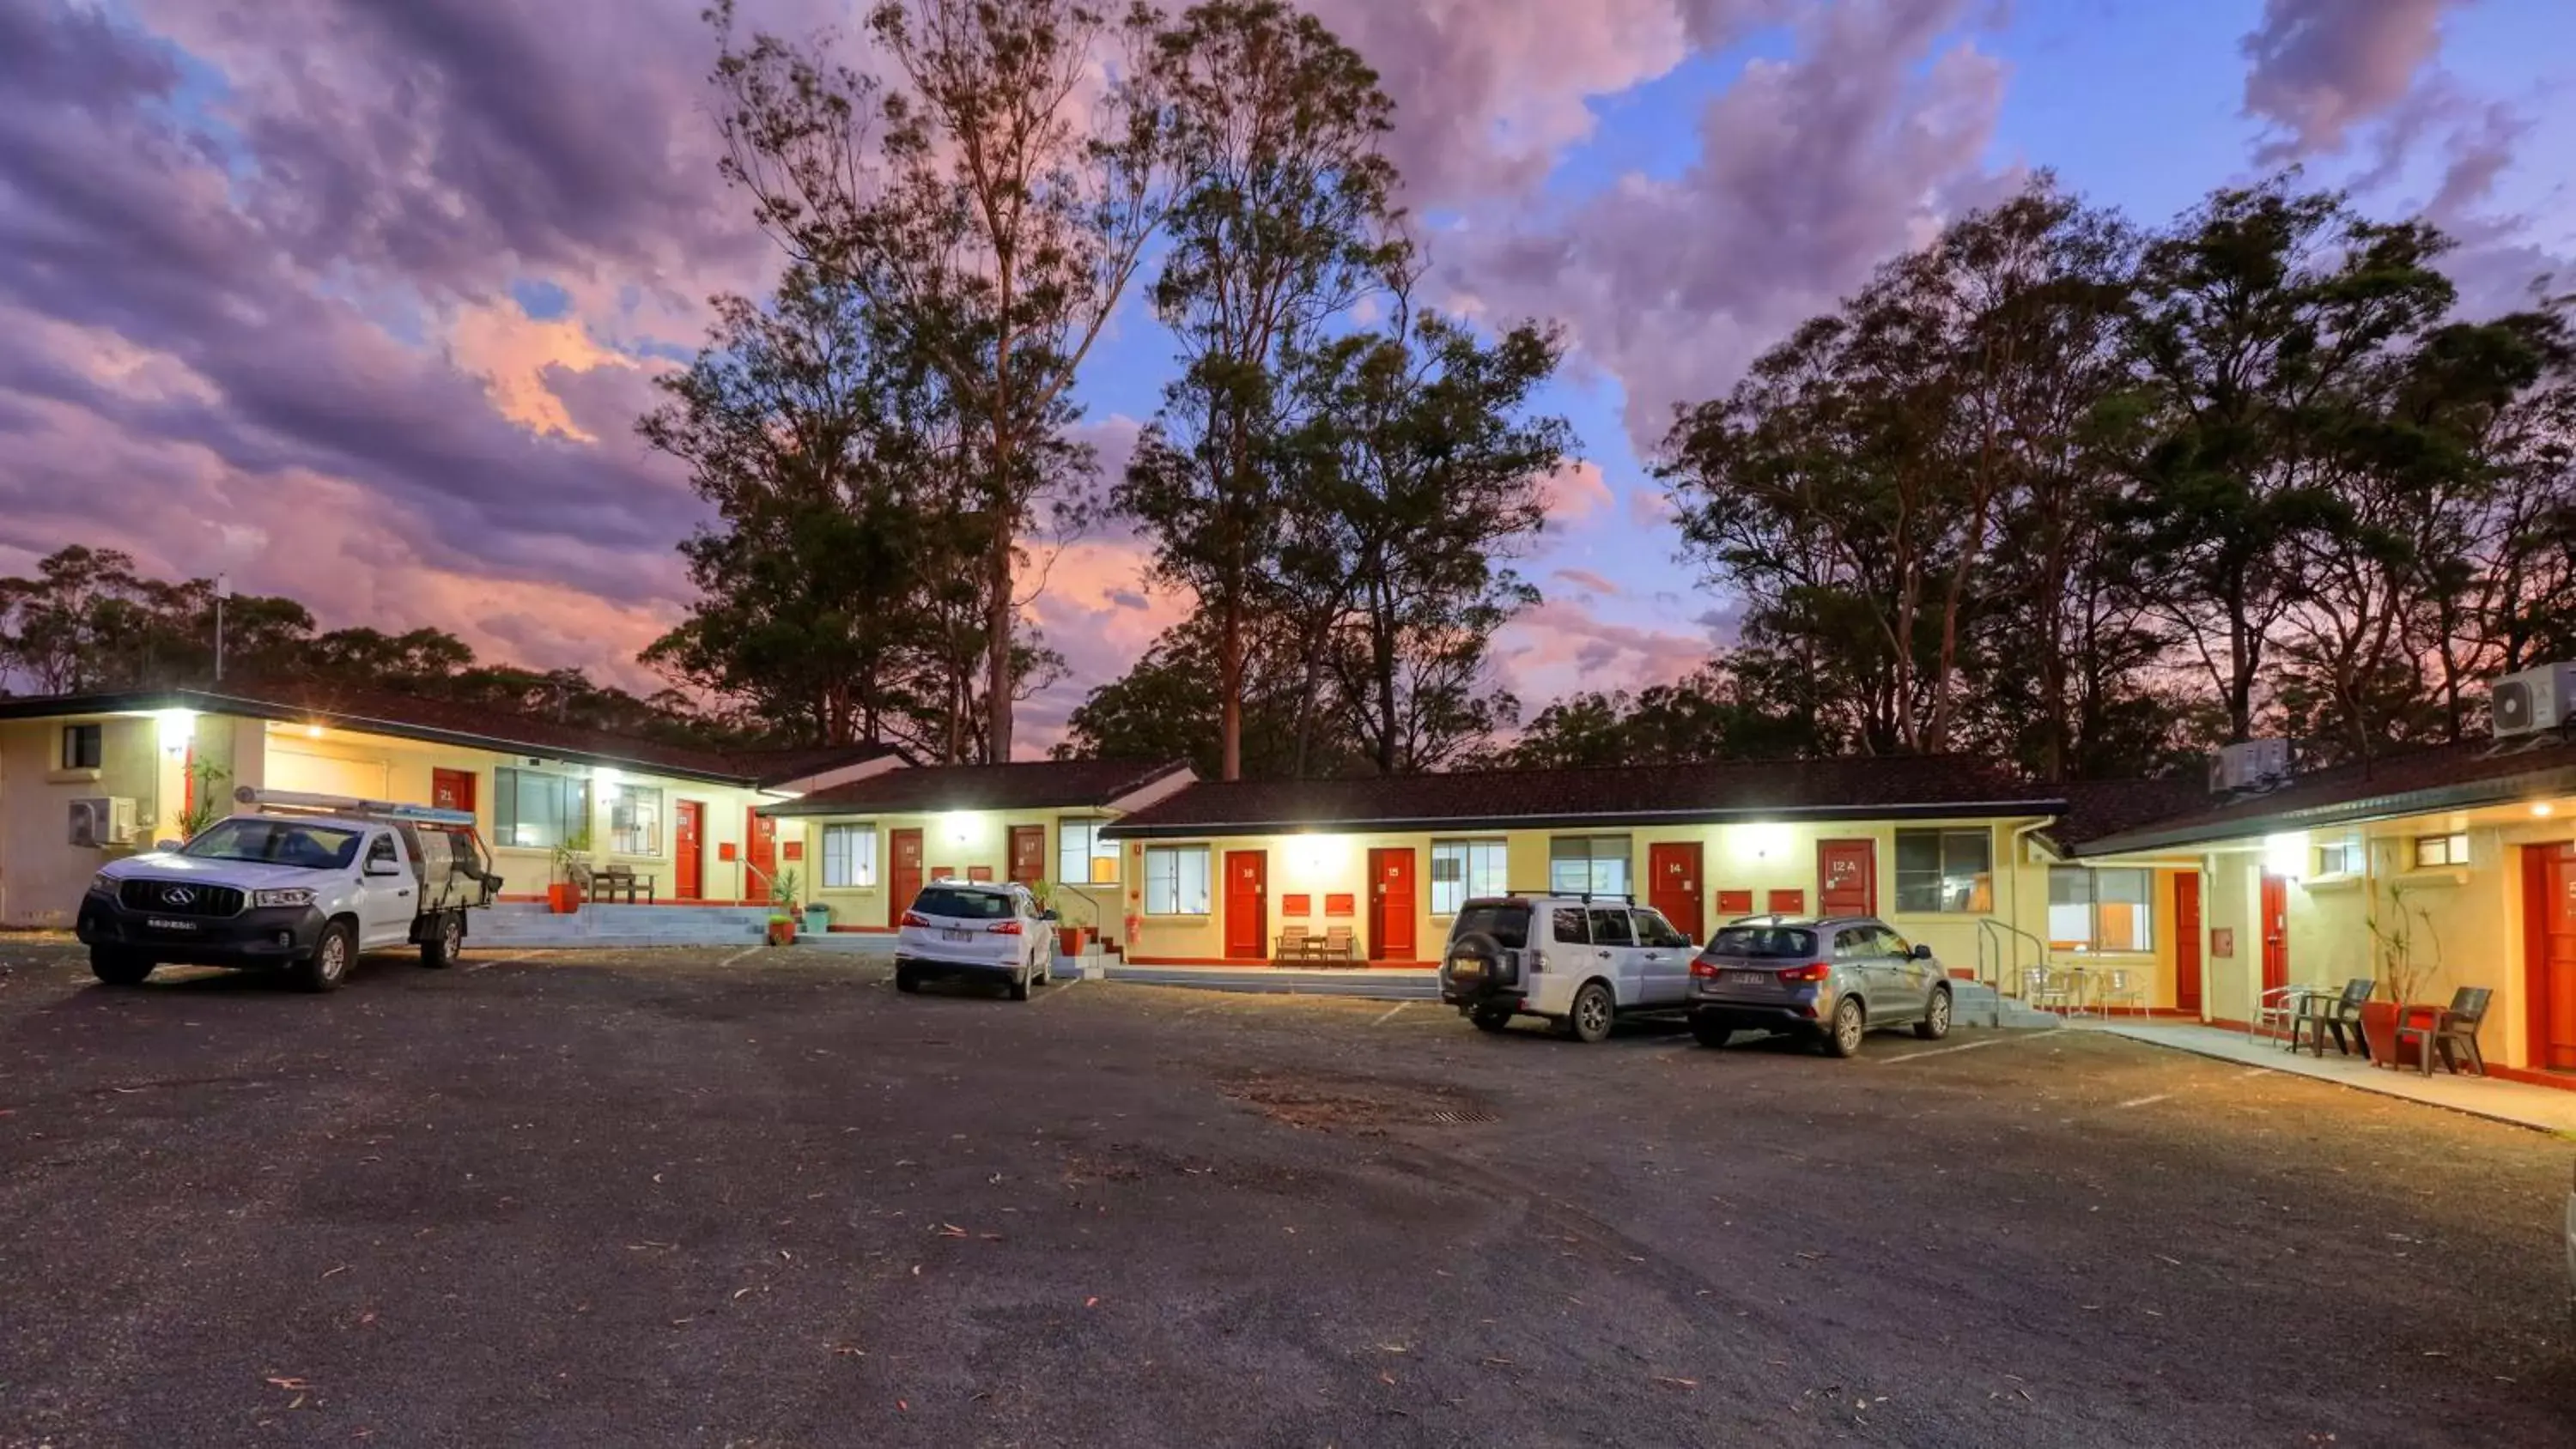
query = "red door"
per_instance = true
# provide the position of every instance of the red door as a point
(1390, 905)
(2187, 941)
(903, 873)
(760, 834)
(452, 789)
(1672, 885)
(1247, 905)
(2549, 893)
(1028, 853)
(690, 858)
(1846, 877)
(2276, 932)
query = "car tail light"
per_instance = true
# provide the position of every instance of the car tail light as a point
(916, 918)
(1703, 968)
(1005, 928)
(1812, 971)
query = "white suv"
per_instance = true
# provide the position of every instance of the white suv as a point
(1578, 960)
(975, 928)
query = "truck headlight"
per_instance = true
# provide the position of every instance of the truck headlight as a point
(102, 884)
(290, 897)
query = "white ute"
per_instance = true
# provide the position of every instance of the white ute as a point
(1581, 961)
(303, 885)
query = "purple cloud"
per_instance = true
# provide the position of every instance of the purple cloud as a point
(2323, 67)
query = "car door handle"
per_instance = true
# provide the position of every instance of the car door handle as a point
(1604, 955)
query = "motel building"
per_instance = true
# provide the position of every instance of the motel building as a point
(83, 778)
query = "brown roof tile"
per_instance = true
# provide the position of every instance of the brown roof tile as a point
(1024, 785)
(1879, 788)
(2446, 777)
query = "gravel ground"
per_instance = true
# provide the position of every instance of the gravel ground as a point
(688, 1198)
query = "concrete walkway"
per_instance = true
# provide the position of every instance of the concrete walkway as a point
(2547, 1109)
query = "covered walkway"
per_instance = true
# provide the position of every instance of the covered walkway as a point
(2547, 1109)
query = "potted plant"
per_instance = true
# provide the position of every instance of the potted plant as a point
(2406, 966)
(1068, 935)
(783, 891)
(563, 893)
(206, 803)
(818, 919)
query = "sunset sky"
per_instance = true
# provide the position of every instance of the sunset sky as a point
(359, 301)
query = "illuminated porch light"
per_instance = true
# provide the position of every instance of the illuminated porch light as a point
(2286, 855)
(2543, 809)
(176, 727)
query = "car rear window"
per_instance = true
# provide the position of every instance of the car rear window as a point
(1775, 942)
(962, 905)
(1506, 921)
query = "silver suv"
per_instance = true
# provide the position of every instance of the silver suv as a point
(1828, 977)
(1580, 961)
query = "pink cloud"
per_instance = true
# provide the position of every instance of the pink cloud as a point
(1574, 492)
(1559, 647)
(1588, 581)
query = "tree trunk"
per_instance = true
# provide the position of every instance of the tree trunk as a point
(1229, 687)
(997, 640)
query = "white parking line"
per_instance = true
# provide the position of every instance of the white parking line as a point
(1969, 1046)
(472, 966)
(1059, 989)
(745, 951)
(1390, 1013)
(2142, 1101)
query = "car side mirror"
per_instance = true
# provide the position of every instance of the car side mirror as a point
(1048, 914)
(1922, 953)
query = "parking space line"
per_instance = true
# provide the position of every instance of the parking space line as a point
(2142, 1101)
(745, 951)
(1060, 990)
(1969, 1046)
(522, 958)
(1390, 1013)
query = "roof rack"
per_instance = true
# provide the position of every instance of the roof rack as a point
(297, 801)
(1587, 897)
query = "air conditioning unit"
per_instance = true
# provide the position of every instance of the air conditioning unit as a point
(100, 821)
(2249, 765)
(2533, 701)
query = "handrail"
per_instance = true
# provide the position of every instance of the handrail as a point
(2006, 939)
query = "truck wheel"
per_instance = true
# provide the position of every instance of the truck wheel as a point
(1588, 1020)
(118, 968)
(1936, 1016)
(1020, 985)
(905, 981)
(1710, 1031)
(446, 941)
(330, 960)
(1491, 1018)
(1842, 1038)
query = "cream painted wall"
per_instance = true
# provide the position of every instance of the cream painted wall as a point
(952, 843)
(42, 874)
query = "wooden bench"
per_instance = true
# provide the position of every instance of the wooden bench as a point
(620, 882)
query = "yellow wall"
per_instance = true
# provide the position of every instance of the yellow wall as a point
(42, 875)
(953, 843)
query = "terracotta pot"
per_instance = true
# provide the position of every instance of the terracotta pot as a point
(2379, 1028)
(782, 932)
(563, 898)
(1068, 939)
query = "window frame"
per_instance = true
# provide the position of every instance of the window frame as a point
(864, 832)
(2092, 875)
(84, 746)
(1467, 886)
(2453, 853)
(1943, 838)
(1174, 881)
(618, 797)
(1094, 854)
(1593, 859)
(507, 822)
(2350, 854)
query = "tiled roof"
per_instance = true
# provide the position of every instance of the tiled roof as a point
(1025, 785)
(1864, 788)
(454, 722)
(2096, 808)
(2446, 777)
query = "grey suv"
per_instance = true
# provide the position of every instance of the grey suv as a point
(1828, 977)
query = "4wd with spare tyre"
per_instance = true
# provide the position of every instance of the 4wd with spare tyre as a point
(1579, 961)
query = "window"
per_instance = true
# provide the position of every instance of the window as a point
(635, 820)
(2101, 910)
(2341, 858)
(1081, 856)
(1506, 922)
(1567, 926)
(2441, 850)
(276, 842)
(1853, 942)
(1176, 880)
(380, 851)
(1588, 865)
(1654, 930)
(955, 904)
(1767, 943)
(1893, 944)
(539, 812)
(82, 746)
(1945, 870)
(849, 856)
(1462, 870)
(1611, 928)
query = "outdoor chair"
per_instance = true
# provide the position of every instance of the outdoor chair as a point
(2044, 988)
(1339, 944)
(2440, 1029)
(2276, 1009)
(2121, 987)
(620, 882)
(2318, 1015)
(1294, 942)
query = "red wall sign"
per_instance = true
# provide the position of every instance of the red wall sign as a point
(725, 851)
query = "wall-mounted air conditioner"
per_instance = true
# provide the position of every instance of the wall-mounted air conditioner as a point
(100, 821)
(2533, 701)
(2249, 765)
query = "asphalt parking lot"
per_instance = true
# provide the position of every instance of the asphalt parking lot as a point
(646, 1198)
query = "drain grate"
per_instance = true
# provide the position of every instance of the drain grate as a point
(1442, 1117)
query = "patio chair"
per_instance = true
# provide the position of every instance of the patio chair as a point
(2441, 1029)
(2276, 1009)
(1293, 943)
(2121, 987)
(2317, 1015)
(2034, 985)
(2047, 988)
(1339, 945)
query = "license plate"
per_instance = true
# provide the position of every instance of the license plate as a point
(1745, 978)
(1466, 966)
(957, 935)
(156, 923)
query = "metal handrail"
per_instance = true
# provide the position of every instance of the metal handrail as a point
(2005, 939)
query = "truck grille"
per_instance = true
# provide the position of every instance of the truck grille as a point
(180, 898)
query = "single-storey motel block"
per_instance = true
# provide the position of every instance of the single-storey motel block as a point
(2175, 897)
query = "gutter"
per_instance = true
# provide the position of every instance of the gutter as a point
(1134, 829)
(2499, 790)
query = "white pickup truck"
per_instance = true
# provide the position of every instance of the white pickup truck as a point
(302, 886)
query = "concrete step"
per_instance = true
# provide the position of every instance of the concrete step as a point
(1977, 1004)
(1372, 984)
